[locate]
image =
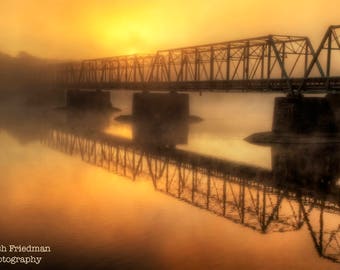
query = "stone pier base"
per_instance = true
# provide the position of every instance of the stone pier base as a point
(303, 120)
(334, 103)
(303, 115)
(160, 119)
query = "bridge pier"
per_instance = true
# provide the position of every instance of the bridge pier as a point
(334, 102)
(88, 99)
(160, 119)
(302, 120)
(303, 115)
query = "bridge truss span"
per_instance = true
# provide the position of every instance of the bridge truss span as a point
(267, 62)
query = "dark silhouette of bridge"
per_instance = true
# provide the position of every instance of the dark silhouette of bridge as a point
(278, 200)
(267, 63)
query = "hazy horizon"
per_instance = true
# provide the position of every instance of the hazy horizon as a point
(88, 29)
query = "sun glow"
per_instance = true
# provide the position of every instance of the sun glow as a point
(129, 37)
(90, 29)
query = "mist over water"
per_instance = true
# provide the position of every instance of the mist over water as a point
(94, 215)
(227, 120)
(161, 191)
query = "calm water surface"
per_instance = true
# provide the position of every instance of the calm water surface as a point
(95, 216)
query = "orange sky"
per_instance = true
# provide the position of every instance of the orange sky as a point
(87, 29)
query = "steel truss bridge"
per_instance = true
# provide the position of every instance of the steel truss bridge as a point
(267, 63)
(243, 194)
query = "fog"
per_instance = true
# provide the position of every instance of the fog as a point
(25, 78)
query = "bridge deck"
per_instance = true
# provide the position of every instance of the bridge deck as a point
(271, 85)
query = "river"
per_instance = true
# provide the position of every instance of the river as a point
(94, 217)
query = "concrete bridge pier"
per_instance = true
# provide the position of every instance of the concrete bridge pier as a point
(305, 115)
(334, 102)
(160, 119)
(88, 99)
(299, 119)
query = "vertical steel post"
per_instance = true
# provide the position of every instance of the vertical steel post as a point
(211, 63)
(329, 54)
(269, 64)
(306, 59)
(263, 47)
(283, 60)
(228, 63)
(196, 65)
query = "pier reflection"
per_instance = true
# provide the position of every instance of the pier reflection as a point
(301, 189)
(160, 134)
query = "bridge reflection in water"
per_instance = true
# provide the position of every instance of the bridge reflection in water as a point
(301, 189)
